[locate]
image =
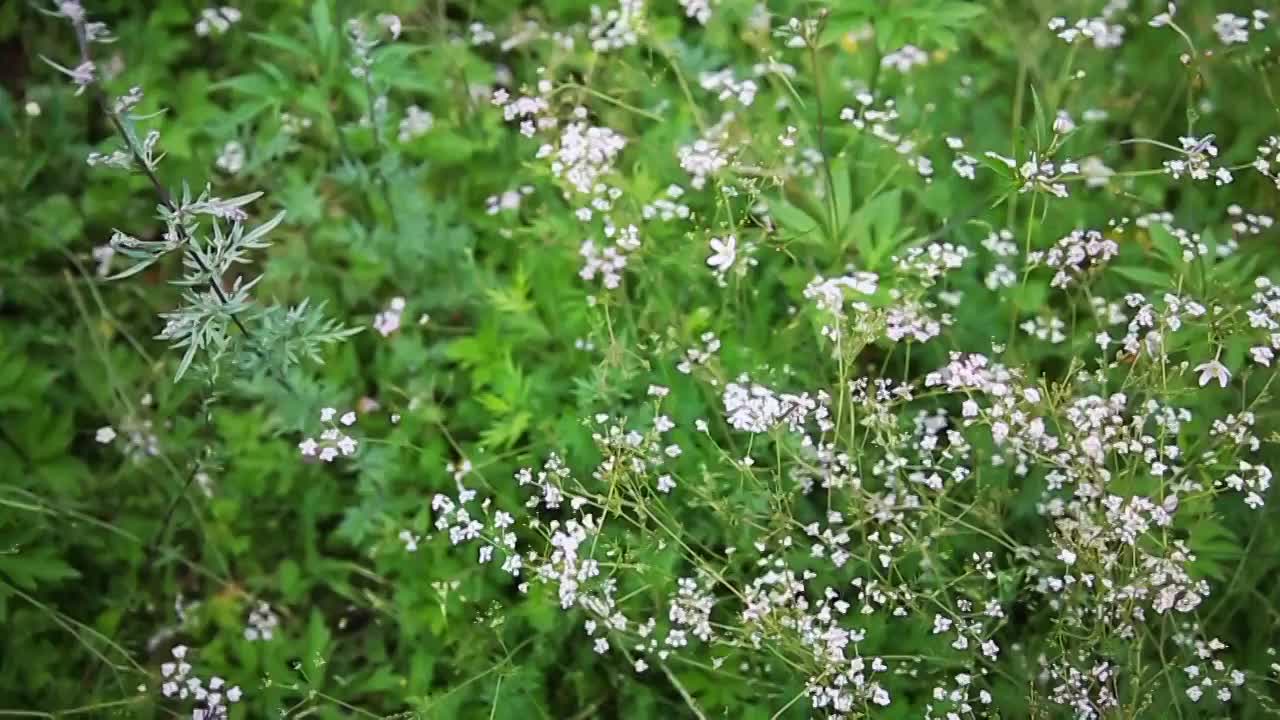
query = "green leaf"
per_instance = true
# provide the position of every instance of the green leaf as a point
(284, 43)
(322, 27)
(56, 221)
(1143, 276)
(1166, 243)
(843, 192)
(797, 223)
(849, 15)
(874, 229)
(30, 569)
(255, 85)
(318, 640)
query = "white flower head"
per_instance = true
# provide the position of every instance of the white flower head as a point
(1213, 370)
(724, 251)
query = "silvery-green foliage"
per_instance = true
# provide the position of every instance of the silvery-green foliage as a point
(290, 335)
(214, 236)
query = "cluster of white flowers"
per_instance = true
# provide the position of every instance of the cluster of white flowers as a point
(910, 320)
(140, 438)
(1232, 29)
(214, 698)
(804, 162)
(1209, 674)
(1001, 246)
(291, 124)
(880, 123)
(480, 34)
(608, 261)
(1191, 243)
(1247, 223)
(1265, 317)
(508, 201)
(1105, 35)
(531, 110)
(828, 294)
(964, 165)
(216, 21)
(491, 530)
(931, 262)
(1087, 686)
(667, 208)
(364, 38)
(1269, 153)
(388, 321)
(1148, 327)
(1096, 524)
(231, 159)
(728, 87)
(905, 58)
(1196, 161)
(616, 28)
(699, 354)
(846, 679)
(1074, 255)
(1042, 175)
(707, 155)
(333, 441)
(1095, 171)
(1084, 582)
(699, 10)
(751, 407)
(262, 623)
(961, 700)
(1113, 558)
(1046, 328)
(1250, 479)
(584, 153)
(416, 123)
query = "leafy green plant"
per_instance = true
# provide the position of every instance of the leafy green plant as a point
(719, 359)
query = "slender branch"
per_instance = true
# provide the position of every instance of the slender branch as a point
(380, 176)
(684, 694)
(827, 175)
(149, 553)
(165, 197)
(166, 200)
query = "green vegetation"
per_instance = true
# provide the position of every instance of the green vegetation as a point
(666, 358)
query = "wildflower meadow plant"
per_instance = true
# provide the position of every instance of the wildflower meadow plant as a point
(722, 359)
(194, 225)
